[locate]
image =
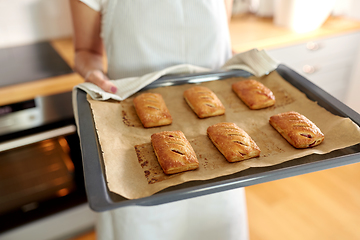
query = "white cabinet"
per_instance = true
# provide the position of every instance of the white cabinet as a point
(327, 62)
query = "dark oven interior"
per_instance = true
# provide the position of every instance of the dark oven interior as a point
(40, 160)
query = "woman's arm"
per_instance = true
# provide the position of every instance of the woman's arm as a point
(88, 45)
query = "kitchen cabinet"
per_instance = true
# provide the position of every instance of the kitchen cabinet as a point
(327, 62)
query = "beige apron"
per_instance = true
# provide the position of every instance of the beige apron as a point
(146, 36)
(150, 35)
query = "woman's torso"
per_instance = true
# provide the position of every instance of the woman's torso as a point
(149, 35)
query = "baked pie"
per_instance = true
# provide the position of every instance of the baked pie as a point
(203, 102)
(297, 129)
(174, 152)
(151, 109)
(254, 94)
(233, 142)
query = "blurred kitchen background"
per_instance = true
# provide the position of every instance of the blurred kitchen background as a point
(29, 21)
(320, 39)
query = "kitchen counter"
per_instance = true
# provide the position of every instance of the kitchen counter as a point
(247, 31)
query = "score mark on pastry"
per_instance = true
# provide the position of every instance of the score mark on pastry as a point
(233, 142)
(254, 94)
(152, 110)
(203, 102)
(174, 155)
(299, 131)
(169, 153)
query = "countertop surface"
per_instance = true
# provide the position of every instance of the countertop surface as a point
(247, 31)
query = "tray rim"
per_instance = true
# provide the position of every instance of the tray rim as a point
(101, 199)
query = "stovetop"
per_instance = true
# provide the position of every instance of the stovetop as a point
(30, 62)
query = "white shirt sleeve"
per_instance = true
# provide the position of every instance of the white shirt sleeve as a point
(97, 5)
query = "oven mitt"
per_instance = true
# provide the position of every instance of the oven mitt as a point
(254, 61)
(128, 86)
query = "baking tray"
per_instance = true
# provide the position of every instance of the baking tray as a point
(101, 199)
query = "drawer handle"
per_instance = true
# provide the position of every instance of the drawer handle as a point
(24, 141)
(312, 46)
(308, 69)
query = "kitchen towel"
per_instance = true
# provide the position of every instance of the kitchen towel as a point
(256, 62)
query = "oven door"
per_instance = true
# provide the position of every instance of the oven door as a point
(40, 174)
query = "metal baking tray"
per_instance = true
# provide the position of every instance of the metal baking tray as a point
(101, 199)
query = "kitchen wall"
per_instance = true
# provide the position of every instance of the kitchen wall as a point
(265, 8)
(349, 8)
(27, 21)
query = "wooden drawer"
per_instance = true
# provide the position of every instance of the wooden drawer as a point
(334, 82)
(316, 66)
(332, 76)
(319, 48)
(326, 62)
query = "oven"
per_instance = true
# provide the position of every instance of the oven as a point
(41, 174)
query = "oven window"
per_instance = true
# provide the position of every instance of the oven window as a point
(35, 173)
(39, 180)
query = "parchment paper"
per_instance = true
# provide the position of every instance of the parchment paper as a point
(131, 167)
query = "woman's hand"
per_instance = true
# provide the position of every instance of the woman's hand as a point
(90, 66)
(101, 80)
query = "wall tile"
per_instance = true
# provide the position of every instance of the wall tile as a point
(28, 21)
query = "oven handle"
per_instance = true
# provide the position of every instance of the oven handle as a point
(20, 142)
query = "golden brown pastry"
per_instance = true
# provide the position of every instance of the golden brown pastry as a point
(174, 152)
(152, 111)
(233, 142)
(203, 102)
(254, 94)
(297, 129)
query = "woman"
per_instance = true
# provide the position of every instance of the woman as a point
(145, 36)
